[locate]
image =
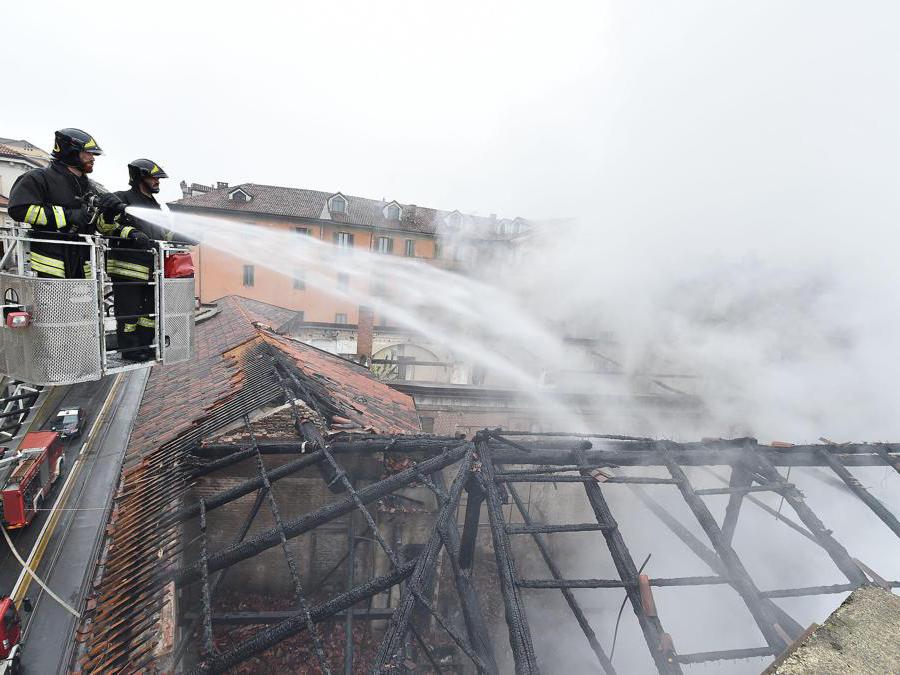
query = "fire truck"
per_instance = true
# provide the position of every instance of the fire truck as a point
(11, 635)
(28, 475)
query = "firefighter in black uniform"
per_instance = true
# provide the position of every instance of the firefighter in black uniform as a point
(130, 260)
(53, 202)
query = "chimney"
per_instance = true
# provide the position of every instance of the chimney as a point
(220, 185)
(364, 327)
(185, 190)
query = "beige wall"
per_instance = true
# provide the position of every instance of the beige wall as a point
(221, 274)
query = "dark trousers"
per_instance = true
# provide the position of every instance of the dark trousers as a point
(134, 301)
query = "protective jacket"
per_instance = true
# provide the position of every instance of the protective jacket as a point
(49, 200)
(135, 264)
(130, 262)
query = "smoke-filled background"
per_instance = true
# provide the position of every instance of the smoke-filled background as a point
(731, 167)
(723, 179)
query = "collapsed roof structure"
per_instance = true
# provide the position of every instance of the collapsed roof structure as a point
(270, 473)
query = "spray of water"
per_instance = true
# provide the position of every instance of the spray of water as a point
(479, 322)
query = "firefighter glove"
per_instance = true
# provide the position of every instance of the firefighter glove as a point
(77, 217)
(139, 237)
(110, 206)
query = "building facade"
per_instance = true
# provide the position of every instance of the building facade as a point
(443, 238)
(16, 158)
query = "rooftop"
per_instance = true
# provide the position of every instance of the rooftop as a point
(262, 418)
(274, 200)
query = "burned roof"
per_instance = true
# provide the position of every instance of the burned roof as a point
(238, 367)
(160, 551)
(273, 200)
(181, 396)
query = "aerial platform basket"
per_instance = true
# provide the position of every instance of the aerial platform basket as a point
(62, 331)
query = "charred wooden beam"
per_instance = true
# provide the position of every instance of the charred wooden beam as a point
(766, 620)
(816, 590)
(742, 490)
(227, 454)
(297, 622)
(260, 618)
(727, 655)
(657, 639)
(785, 620)
(870, 500)
(740, 478)
(690, 456)
(569, 597)
(618, 583)
(393, 640)
(555, 478)
(470, 526)
(476, 626)
(516, 617)
(771, 511)
(306, 522)
(208, 645)
(549, 529)
(891, 461)
(808, 517)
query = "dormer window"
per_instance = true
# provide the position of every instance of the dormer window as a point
(454, 219)
(239, 196)
(337, 204)
(392, 211)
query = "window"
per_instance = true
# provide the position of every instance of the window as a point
(384, 244)
(392, 212)
(343, 282)
(299, 280)
(411, 248)
(248, 275)
(338, 205)
(302, 230)
(343, 239)
(427, 424)
(340, 317)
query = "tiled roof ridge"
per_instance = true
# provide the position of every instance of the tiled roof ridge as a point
(12, 152)
(275, 332)
(248, 187)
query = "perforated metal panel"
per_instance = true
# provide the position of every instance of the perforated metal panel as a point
(62, 344)
(177, 326)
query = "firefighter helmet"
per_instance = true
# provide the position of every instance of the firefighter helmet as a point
(144, 168)
(70, 142)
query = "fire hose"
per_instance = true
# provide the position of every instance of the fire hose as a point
(71, 610)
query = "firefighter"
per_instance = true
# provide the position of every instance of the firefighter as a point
(54, 202)
(130, 262)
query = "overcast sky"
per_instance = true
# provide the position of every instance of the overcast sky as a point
(755, 144)
(533, 109)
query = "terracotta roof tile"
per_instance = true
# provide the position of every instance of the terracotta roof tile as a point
(301, 203)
